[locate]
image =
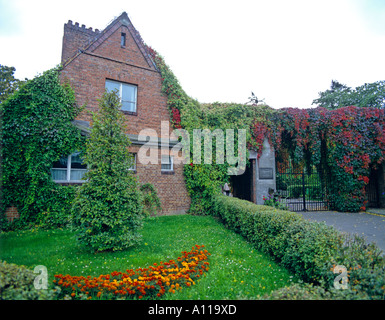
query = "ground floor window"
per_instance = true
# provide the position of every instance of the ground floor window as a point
(69, 169)
(133, 166)
(167, 164)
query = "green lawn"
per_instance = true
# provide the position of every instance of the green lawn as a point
(237, 270)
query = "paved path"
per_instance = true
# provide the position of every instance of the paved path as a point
(370, 224)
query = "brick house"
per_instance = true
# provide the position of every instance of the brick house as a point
(115, 58)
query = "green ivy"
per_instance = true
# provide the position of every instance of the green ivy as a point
(203, 181)
(151, 201)
(345, 142)
(36, 132)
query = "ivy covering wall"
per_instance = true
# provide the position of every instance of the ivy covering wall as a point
(36, 132)
(349, 141)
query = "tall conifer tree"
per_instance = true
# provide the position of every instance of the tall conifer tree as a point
(108, 207)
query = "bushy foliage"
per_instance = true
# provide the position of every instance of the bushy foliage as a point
(203, 181)
(36, 132)
(339, 95)
(311, 250)
(346, 142)
(108, 207)
(151, 201)
(8, 83)
(17, 283)
(308, 291)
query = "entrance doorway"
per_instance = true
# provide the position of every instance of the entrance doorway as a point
(242, 184)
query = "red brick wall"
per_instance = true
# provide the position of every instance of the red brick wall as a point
(11, 214)
(106, 59)
(76, 37)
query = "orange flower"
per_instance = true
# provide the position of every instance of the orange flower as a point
(144, 280)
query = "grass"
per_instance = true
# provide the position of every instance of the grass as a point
(237, 270)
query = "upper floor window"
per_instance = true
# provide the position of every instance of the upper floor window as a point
(127, 93)
(123, 39)
(69, 169)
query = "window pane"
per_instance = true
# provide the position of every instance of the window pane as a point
(166, 163)
(128, 106)
(112, 85)
(59, 174)
(77, 161)
(77, 175)
(123, 39)
(129, 97)
(133, 166)
(129, 93)
(62, 163)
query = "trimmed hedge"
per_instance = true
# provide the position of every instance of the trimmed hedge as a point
(309, 249)
(17, 283)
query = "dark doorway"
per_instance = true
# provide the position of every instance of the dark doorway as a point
(242, 184)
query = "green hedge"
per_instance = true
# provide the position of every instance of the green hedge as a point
(308, 249)
(17, 283)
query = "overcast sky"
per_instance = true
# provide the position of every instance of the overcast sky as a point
(285, 51)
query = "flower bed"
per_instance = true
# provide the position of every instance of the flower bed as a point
(150, 282)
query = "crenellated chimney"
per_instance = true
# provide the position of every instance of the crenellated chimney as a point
(75, 38)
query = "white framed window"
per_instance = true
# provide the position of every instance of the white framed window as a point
(127, 93)
(69, 169)
(133, 167)
(167, 163)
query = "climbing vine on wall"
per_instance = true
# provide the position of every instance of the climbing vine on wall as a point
(348, 140)
(354, 139)
(37, 131)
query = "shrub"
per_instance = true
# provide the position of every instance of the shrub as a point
(272, 201)
(308, 291)
(311, 250)
(151, 202)
(17, 283)
(108, 206)
(58, 214)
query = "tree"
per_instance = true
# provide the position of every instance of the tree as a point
(8, 83)
(340, 95)
(108, 206)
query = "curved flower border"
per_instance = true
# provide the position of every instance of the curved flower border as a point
(140, 283)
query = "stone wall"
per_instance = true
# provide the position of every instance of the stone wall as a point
(265, 180)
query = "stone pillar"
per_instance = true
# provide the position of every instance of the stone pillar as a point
(265, 173)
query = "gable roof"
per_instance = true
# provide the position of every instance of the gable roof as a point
(122, 20)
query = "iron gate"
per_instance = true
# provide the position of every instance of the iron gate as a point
(372, 190)
(303, 190)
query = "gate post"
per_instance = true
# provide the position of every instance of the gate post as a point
(303, 190)
(264, 172)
